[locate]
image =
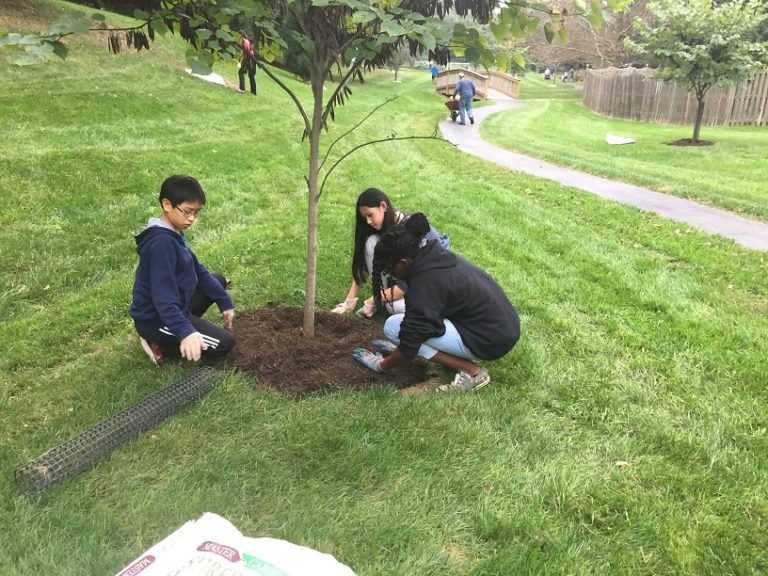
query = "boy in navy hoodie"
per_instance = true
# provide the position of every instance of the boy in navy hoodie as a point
(172, 289)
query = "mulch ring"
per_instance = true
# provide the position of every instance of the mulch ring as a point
(271, 349)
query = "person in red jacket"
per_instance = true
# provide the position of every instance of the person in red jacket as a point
(247, 65)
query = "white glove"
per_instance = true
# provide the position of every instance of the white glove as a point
(346, 306)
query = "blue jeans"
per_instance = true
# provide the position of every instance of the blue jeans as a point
(450, 342)
(465, 107)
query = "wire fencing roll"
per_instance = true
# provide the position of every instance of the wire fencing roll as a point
(84, 450)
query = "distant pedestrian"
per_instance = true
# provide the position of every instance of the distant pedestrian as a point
(247, 65)
(434, 71)
(465, 89)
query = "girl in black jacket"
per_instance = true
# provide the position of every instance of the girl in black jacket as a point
(455, 313)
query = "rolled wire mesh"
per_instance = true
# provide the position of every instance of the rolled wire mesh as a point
(84, 450)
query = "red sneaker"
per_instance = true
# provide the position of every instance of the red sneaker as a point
(152, 350)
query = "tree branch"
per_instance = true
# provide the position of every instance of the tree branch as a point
(341, 85)
(268, 72)
(433, 137)
(327, 153)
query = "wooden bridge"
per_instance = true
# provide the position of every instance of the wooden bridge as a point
(492, 85)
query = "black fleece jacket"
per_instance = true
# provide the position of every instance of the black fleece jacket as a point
(444, 285)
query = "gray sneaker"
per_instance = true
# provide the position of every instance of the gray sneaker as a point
(463, 382)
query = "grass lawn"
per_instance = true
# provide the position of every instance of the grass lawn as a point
(644, 341)
(554, 125)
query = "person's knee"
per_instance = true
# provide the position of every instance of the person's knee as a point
(226, 343)
(392, 327)
(222, 280)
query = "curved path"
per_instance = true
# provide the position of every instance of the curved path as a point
(748, 233)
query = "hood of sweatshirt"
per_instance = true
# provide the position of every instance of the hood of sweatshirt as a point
(432, 257)
(156, 227)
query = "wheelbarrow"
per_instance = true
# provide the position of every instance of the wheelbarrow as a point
(453, 106)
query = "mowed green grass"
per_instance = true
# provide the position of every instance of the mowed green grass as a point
(554, 125)
(643, 342)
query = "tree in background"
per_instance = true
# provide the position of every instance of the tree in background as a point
(589, 43)
(701, 45)
(337, 41)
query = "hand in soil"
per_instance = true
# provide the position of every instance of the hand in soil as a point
(229, 316)
(368, 359)
(366, 311)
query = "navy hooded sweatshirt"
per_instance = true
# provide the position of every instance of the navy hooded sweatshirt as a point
(444, 285)
(166, 277)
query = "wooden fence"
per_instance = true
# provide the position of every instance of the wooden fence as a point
(632, 93)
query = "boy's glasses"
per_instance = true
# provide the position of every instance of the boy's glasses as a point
(190, 213)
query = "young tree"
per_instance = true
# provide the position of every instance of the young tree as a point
(702, 45)
(339, 39)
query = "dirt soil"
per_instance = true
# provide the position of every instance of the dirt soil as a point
(271, 349)
(690, 142)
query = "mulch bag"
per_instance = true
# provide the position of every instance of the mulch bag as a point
(211, 545)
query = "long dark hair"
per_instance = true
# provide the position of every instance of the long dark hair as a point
(400, 241)
(371, 198)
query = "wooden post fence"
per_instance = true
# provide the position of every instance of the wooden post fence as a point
(633, 94)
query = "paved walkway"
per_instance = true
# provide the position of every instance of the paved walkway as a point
(748, 233)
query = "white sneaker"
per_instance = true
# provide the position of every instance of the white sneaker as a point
(463, 382)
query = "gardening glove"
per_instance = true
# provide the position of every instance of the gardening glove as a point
(384, 347)
(192, 347)
(346, 306)
(366, 311)
(368, 359)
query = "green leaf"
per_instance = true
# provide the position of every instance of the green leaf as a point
(60, 49)
(160, 27)
(40, 50)
(321, 3)
(11, 39)
(140, 14)
(580, 5)
(363, 17)
(562, 34)
(595, 15)
(29, 40)
(549, 32)
(98, 16)
(25, 59)
(502, 61)
(515, 29)
(499, 30)
(307, 45)
(392, 28)
(415, 16)
(203, 33)
(472, 54)
(428, 41)
(518, 59)
(222, 34)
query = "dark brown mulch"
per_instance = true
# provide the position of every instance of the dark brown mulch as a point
(272, 350)
(690, 142)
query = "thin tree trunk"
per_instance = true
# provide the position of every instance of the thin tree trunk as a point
(314, 155)
(699, 118)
